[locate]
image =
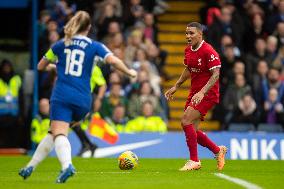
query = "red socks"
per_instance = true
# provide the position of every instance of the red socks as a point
(191, 140)
(203, 140)
(192, 137)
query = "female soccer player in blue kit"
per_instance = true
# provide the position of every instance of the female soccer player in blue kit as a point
(71, 96)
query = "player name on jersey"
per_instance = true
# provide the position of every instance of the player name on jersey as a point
(80, 43)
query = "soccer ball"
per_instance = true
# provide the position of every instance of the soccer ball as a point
(127, 160)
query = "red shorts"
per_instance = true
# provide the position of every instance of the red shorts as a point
(203, 107)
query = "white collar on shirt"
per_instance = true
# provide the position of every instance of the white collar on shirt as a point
(198, 46)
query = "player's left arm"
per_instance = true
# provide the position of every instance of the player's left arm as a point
(212, 80)
(214, 66)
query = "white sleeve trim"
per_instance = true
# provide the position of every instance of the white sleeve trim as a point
(107, 55)
(219, 66)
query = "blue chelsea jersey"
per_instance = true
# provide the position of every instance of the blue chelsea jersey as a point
(74, 65)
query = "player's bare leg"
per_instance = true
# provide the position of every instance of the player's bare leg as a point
(219, 151)
(190, 115)
(63, 149)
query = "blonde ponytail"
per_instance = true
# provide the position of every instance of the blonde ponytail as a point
(78, 23)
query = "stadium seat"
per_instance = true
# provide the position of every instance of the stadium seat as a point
(241, 127)
(270, 128)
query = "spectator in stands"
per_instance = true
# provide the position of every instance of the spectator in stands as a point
(118, 119)
(42, 23)
(156, 7)
(40, 123)
(114, 78)
(117, 77)
(145, 93)
(259, 77)
(226, 41)
(246, 111)
(272, 46)
(213, 13)
(147, 121)
(279, 33)
(238, 68)
(256, 30)
(150, 31)
(222, 26)
(44, 43)
(108, 16)
(116, 41)
(134, 86)
(233, 95)
(228, 60)
(276, 17)
(53, 37)
(11, 104)
(62, 12)
(117, 7)
(10, 95)
(113, 28)
(113, 98)
(157, 57)
(132, 12)
(279, 60)
(141, 63)
(272, 82)
(134, 42)
(259, 53)
(273, 111)
(100, 8)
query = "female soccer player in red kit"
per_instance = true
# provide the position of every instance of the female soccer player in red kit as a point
(202, 65)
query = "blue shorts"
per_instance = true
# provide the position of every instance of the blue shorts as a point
(61, 111)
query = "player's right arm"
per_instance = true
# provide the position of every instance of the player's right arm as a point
(118, 64)
(44, 63)
(183, 77)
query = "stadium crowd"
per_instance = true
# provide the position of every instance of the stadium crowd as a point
(249, 38)
(248, 35)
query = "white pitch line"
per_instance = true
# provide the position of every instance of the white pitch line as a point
(238, 181)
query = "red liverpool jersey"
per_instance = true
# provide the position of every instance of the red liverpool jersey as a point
(199, 63)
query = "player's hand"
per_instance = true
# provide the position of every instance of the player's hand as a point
(169, 93)
(132, 73)
(196, 99)
(50, 67)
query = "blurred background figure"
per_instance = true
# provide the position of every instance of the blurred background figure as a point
(40, 124)
(272, 110)
(147, 121)
(11, 105)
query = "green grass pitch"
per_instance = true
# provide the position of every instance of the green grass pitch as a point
(151, 173)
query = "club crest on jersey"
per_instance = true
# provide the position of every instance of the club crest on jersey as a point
(199, 62)
(213, 58)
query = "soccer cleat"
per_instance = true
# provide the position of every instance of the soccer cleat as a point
(65, 174)
(88, 152)
(191, 165)
(220, 157)
(26, 172)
